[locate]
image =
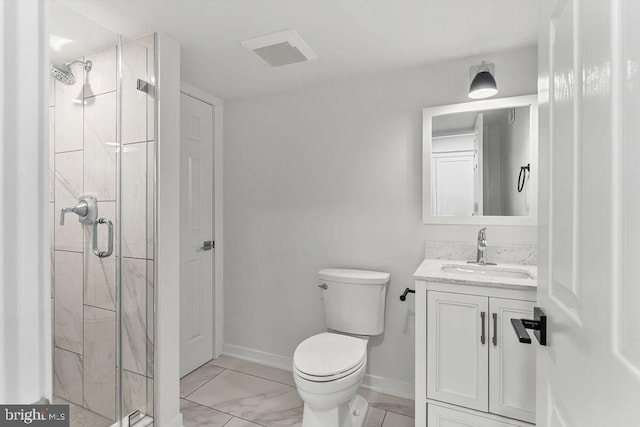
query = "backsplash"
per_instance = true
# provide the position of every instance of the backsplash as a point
(500, 254)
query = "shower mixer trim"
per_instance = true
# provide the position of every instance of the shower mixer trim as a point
(86, 209)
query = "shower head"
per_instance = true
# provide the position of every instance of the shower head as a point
(63, 73)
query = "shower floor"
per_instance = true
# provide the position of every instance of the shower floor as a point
(81, 417)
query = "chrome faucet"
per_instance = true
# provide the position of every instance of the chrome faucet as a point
(481, 258)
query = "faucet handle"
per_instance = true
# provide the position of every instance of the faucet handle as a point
(62, 212)
(482, 234)
(81, 209)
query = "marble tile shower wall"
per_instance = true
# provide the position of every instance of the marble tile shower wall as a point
(84, 159)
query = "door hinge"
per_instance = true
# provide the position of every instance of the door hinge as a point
(146, 87)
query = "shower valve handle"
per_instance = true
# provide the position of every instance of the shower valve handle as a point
(82, 209)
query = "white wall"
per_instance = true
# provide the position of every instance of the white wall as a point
(25, 288)
(330, 176)
(516, 152)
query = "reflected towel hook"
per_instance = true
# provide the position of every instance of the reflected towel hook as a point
(522, 177)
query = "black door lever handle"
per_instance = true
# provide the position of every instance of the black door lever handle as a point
(539, 326)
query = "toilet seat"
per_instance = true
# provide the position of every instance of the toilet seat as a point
(328, 357)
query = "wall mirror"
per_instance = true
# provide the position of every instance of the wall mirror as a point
(479, 162)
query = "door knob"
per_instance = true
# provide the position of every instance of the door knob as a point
(208, 245)
(538, 324)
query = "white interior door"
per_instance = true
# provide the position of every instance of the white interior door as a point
(589, 282)
(196, 228)
(454, 188)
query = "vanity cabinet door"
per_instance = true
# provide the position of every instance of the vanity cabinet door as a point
(512, 364)
(457, 349)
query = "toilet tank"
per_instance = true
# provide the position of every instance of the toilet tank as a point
(354, 300)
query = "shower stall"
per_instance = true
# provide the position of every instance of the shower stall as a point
(102, 162)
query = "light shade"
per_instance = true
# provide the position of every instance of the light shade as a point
(483, 86)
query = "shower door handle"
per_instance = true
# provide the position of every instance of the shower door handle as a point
(97, 252)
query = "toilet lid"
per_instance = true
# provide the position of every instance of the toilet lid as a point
(328, 354)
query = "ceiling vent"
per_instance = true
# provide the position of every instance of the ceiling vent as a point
(281, 48)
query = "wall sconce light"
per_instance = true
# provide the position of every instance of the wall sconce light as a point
(483, 84)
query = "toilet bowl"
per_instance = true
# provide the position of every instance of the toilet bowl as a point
(328, 368)
(328, 371)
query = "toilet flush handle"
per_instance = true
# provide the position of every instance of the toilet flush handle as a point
(323, 286)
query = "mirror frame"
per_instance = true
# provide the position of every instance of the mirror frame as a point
(488, 104)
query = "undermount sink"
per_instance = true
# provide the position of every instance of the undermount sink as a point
(490, 271)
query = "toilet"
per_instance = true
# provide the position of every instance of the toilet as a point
(328, 368)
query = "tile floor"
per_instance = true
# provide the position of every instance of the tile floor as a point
(233, 393)
(81, 417)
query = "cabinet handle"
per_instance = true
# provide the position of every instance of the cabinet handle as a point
(494, 340)
(482, 337)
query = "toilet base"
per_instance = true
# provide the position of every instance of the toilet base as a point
(350, 414)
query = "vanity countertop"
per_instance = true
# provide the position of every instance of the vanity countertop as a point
(431, 270)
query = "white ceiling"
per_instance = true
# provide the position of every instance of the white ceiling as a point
(351, 37)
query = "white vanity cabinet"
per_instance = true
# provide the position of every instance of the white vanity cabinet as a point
(471, 369)
(457, 350)
(474, 359)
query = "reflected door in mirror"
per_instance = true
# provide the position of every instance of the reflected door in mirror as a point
(476, 159)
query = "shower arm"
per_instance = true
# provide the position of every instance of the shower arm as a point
(87, 64)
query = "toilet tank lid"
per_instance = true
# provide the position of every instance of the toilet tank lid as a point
(353, 276)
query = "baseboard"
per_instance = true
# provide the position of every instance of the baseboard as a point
(257, 356)
(175, 422)
(390, 386)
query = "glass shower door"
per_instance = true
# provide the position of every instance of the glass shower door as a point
(136, 188)
(102, 115)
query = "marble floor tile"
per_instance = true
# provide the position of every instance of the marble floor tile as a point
(103, 75)
(134, 200)
(239, 422)
(151, 186)
(251, 398)
(67, 378)
(68, 114)
(68, 328)
(68, 187)
(134, 102)
(137, 393)
(136, 345)
(396, 420)
(99, 151)
(100, 361)
(81, 417)
(375, 417)
(195, 415)
(190, 382)
(388, 403)
(262, 371)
